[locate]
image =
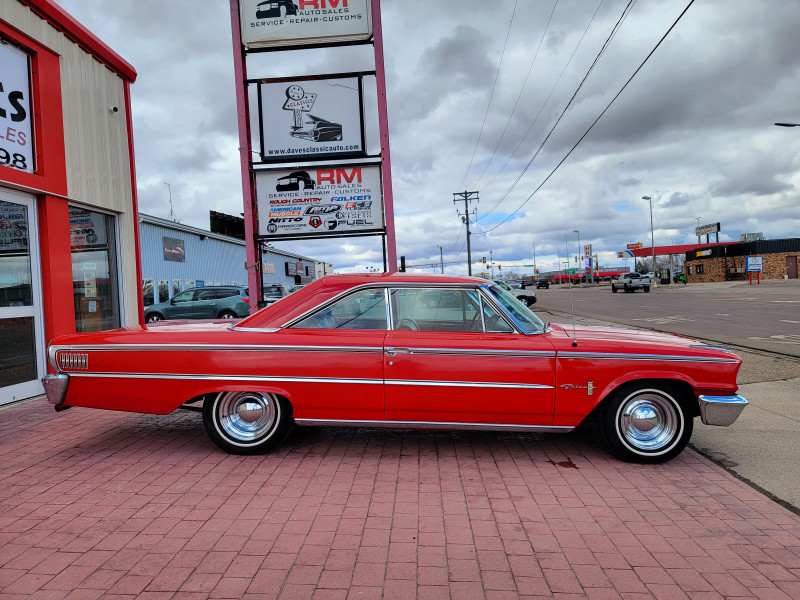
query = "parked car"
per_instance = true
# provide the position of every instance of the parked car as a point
(363, 350)
(543, 282)
(527, 297)
(209, 302)
(273, 292)
(294, 288)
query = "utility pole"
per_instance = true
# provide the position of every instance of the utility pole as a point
(491, 262)
(466, 197)
(534, 262)
(441, 258)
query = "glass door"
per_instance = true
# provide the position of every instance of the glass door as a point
(21, 336)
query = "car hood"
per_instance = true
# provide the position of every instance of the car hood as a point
(634, 341)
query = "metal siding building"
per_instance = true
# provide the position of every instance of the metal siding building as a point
(208, 259)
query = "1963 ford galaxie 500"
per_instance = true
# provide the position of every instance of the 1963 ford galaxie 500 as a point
(375, 351)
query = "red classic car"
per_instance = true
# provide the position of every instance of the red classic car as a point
(374, 351)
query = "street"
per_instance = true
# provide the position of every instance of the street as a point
(762, 324)
(764, 317)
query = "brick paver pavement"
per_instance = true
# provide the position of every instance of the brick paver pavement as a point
(102, 504)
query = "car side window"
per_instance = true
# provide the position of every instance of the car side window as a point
(225, 293)
(206, 294)
(186, 296)
(443, 309)
(365, 309)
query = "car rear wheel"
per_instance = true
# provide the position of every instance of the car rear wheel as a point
(154, 318)
(647, 424)
(247, 422)
(226, 314)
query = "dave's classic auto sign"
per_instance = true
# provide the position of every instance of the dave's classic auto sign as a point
(16, 139)
(269, 23)
(311, 202)
(307, 119)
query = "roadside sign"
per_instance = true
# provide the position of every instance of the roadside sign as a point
(634, 246)
(754, 264)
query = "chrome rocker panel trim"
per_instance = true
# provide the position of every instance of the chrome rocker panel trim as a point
(721, 410)
(435, 425)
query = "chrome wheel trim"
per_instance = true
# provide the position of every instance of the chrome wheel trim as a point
(153, 318)
(227, 315)
(245, 418)
(649, 422)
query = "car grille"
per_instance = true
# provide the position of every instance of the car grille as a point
(73, 360)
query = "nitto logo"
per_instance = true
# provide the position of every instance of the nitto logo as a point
(287, 220)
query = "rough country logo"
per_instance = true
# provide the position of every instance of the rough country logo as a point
(310, 128)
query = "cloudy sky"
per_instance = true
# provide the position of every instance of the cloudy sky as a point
(475, 87)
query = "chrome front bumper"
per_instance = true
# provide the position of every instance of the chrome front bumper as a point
(55, 386)
(721, 410)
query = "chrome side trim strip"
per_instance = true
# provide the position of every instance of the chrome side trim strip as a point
(625, 356)
(259, 378)
(259, 330)
(279, 379)
(470, 384)
(209, 347)
(436, 425)
(484, 352)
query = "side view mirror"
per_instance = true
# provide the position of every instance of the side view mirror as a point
(172, 302)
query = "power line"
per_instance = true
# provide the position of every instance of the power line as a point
(522, 89)
(546, 100)
(491, 95)
(611, 35)
(571, 150)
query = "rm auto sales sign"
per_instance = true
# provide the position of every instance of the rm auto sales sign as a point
(308, 202)
(273, 23)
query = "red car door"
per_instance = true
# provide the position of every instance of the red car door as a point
(445, 362)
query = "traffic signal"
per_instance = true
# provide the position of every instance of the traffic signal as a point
(537, 271)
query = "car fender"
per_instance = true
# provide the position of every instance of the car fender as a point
(649, 374)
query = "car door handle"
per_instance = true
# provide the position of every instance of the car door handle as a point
(396, 351)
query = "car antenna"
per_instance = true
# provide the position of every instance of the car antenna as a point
(571, 301)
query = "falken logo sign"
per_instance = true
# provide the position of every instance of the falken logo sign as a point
(271, 23)
(339, 199)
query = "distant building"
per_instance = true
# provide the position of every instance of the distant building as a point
(727, 262)
(176, 257)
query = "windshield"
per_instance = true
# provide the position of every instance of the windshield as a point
(517, 309)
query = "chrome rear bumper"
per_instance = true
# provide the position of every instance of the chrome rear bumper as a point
(721, 410)
(55, 386)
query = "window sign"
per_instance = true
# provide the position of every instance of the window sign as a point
(319, 202)
(305, 119)
(16, 117)
(271, 23)
(174, 249)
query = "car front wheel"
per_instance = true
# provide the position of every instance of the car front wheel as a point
(247, 422)
(154, 318)
(647, 424)
(613, 290)
(226, 314)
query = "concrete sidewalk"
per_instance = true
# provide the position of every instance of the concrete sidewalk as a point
(102, 504)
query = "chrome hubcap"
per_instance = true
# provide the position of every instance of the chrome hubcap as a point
(648, 422)
(246, 416)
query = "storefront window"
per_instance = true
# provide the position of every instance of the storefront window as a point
(176, 287)
(163, 290)
(94, 270)
(147, 292)
(15, 259)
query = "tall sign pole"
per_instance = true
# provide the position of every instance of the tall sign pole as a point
(383, 127)
(466, 197)
(243, 118)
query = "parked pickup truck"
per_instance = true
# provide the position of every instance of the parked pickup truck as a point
(630, 282)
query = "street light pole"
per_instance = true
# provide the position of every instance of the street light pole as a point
(441, 257)
(580, 255)
(534, 260)
(652, 238)
(491, 262)
(698, 227)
